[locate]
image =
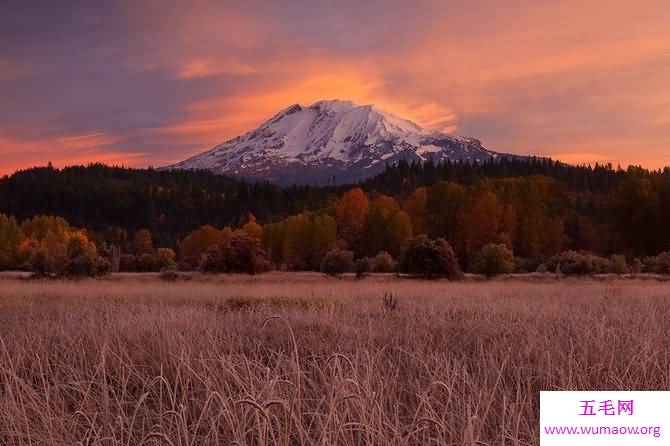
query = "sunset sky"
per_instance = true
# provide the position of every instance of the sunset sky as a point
(153, 82)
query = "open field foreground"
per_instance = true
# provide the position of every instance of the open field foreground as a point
(307, 360)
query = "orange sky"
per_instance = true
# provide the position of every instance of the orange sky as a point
(153, 82)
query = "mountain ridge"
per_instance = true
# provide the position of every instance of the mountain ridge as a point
(332, 142)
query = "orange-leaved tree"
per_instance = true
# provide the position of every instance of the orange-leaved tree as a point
(352, 216)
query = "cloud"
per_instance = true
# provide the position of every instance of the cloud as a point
(166, 79)
(204, 68)
(63, 151)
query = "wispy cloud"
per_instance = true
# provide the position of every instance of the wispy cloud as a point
(65, 150)
(204, 68)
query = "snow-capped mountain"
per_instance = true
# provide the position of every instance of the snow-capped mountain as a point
(331, 142)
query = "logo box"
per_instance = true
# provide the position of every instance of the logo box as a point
(604, 418)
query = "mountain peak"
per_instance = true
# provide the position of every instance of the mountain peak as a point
(331, 141)
(333, 104)
(295, 108)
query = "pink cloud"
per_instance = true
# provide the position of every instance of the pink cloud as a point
(583, 80)
(63, 151)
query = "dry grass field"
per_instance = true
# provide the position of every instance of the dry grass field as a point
(288, 359)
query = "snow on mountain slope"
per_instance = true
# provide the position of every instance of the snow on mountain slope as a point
(331, 142)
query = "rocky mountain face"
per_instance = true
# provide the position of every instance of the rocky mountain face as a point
(332, 142)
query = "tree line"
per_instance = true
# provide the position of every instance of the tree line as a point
(507, 215)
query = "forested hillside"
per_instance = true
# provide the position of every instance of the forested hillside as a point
(168, 203)
(537, 209)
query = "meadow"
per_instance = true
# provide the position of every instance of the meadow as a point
(304, 359)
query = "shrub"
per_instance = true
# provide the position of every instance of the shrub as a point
(147, 263)
(577, 263)
(659, 264)
(523, 265)
(571, 263)
(383, 263)
(212, 260)
(112, 254)
(79, 245)
(127, 263)
(337, 261)
(81, 265)
(618, 264)
(663, 263)
(494, 259)
(166, 258)
(102, 266)
(362, 267)
(600, 265)
(38, 262)
(430, 258)
(637, 266)
(87, 265)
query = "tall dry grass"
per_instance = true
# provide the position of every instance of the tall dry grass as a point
(305, 360)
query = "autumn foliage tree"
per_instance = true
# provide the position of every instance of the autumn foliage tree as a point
(11, 237)
(536, 208)
(252, 228)
(352, 216)
(166, 258)
(416, 208)
(196, 244)
(542, 207)
(143, 242)
(82, 259)
(300, 242)
(50, 247)
(388, 227)
(44, 247)
(245, 254)
(240, 254)
(445, 206)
